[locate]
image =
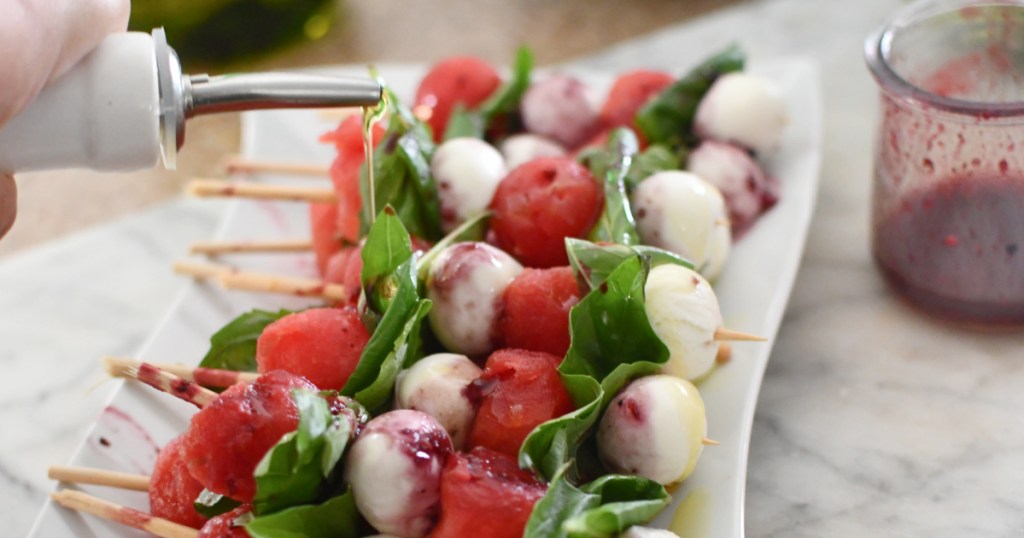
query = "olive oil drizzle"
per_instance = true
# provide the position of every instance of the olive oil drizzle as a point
(372, 115)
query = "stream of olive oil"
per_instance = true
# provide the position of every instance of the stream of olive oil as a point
(372, 115)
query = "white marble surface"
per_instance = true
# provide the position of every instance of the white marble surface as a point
(872, 421)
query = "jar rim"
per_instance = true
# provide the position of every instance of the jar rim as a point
(878, 47)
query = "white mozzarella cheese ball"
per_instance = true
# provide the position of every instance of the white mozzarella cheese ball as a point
(680, 212)
(745, 109)
(394, 468)
(465, 284)
(647, 532)
(523, 148)
(683, 311)
(654, 428)
(562, 108)
(437, 385)
(747, 189)
(467, 172)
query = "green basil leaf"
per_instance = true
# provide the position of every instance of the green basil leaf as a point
(603, 508)
(387, 246)
(552, 445)
(610, 326)
(390, 278)
(335, 518)
(210, 504)
(406, 348)
(296, 469)
(464, 123)
(668, 117)
(654, 159)
(612, 343)
(611, 164)
(593, 262)
(561, 502)
(402, 179)
(234, 346)
(507, 98)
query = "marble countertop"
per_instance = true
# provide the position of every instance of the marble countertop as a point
(872, 420)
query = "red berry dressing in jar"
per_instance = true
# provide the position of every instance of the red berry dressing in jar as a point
(948, 202)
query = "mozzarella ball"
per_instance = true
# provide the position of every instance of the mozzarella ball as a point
(467, 172)
(745, 109)
(562, 108)
(523, 148)
(436, 385)
(394, 468)
(654, 428)
(647, 532)
(465, 284)
(680, 212)
(747, 189)
(683, 311)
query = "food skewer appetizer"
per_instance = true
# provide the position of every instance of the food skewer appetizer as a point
(523, 324)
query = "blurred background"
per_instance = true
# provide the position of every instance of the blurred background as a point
(219, 36)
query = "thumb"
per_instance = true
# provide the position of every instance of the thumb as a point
(8, 202)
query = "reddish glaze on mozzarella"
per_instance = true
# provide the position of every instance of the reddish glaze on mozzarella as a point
(321, 344)
(394, 468)
(485, 493)
(518, 391)
(227, 439)
(457, 80)
(172, 490)
(541, 203)
(562, 108)
(536, 308)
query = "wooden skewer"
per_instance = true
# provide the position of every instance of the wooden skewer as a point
(709, 442)
(99, 477)
(83, 502)
(233, 279)
(228, 247)
(172, 384)
(201, 270)
(235, 164)
(723, 334)
(724, 354)
(300, 287)
(207, 377)
(293, 193)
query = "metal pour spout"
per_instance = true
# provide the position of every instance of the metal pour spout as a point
(186, 96)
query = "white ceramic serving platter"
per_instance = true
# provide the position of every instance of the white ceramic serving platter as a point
(753, 292)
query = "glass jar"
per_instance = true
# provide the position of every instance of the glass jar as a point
(948, 199)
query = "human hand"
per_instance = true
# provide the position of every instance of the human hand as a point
(39, 41)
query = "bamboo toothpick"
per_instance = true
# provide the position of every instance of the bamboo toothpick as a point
(709, 442)
(99, 477)
(83, 502)
(299, 287)
(201, 270)
(724, 354)
(207, 377)
(171, 384)
(233, 279)
(293, 193)
(723, 334)
(237, 247)
(236, 164)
